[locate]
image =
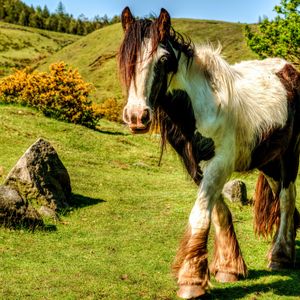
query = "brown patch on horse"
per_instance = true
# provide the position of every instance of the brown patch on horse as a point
(274, 143)
(181, 252)
(228, 263)
(290, 78)
(271, 146)
(175, 119)
(192, 251)
(227, 256)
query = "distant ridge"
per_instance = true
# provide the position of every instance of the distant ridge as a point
(22, 46)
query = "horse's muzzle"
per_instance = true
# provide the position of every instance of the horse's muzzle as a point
(137, 118)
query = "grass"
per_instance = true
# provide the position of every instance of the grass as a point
(120, 237)
(22, 46)
(95, 54)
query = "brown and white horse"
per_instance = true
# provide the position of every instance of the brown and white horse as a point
(220, 119)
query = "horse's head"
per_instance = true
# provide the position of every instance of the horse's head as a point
(146, 59)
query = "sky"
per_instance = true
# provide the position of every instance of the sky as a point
(244, 11)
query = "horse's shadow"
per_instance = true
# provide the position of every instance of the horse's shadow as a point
(288, 287)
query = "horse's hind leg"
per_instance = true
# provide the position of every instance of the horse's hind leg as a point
(282, 254)
(228, 264)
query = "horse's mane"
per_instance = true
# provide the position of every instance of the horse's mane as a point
(133, 41)
(220, 75)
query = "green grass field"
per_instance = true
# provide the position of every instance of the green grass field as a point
(120, 237)
(22, 46)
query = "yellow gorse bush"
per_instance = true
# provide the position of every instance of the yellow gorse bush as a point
(111, 109)
(61, 93)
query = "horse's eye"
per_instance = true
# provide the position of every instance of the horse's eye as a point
(163, 59)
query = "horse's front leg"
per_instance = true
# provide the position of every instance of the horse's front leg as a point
(191, 263)
(228, 263)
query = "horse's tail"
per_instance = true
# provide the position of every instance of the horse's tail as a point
(267, 209)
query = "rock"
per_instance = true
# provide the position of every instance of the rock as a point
(48, 213)
(40, 177)
(14, 212)
(235, 191)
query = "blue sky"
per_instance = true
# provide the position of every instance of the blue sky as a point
(226, 10)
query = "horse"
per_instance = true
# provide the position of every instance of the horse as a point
(220, 119)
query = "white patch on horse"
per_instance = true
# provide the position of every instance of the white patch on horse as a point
(246, 99)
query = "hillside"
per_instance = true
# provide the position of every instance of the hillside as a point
(95, 54)
(119, 238)
(21, 46)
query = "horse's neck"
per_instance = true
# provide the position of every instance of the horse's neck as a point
(198, 83)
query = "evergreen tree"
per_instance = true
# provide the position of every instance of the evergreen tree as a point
(23, 20)
(45, 13)
(60, 10)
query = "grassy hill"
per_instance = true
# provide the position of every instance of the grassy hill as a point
(120, 237)
(21, 46)
(95, 54)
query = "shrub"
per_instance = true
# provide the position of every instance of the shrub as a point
(61, 93)
(111, 109)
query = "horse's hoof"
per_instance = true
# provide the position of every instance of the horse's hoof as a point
(190, 291)
(226, 277)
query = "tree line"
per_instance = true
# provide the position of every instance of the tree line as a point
(17, 12)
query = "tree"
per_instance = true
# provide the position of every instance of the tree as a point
(23, 20)
(45, 12)
(60, 10)
(280, 37)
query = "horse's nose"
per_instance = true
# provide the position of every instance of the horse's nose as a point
(137, 118)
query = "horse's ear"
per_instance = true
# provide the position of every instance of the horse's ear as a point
(164, 24)
(127, 18)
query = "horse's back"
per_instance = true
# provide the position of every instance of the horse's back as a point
(272, 65)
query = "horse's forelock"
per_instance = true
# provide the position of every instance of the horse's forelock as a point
(132, 45)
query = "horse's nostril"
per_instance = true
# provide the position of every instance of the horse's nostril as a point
(145, 116)
(133, 118)
(126, 117)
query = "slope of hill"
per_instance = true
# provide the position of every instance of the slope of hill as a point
(21, 46)
(95, 54)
